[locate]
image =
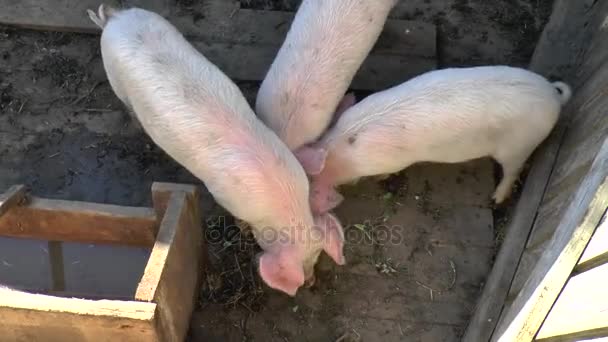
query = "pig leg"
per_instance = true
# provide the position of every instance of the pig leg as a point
(511, 166)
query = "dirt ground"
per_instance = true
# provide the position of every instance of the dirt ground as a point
(419, 245)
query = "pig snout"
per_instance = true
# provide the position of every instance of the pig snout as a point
(291, 266)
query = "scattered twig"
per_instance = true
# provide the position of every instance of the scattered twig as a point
(21, 107)
(453, 275)
(239, 266)
(95, 110)
(85, 95)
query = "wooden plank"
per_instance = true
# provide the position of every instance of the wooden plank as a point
(35, 317)
(563, 37)
(246, 26)
(59, 220)
(554, 55)
(523, 319)
(56, 263)
(596, 41)
(241, 26)
(405, 48)
(495, 291)
(63, 15)
(12, 197)
(377, 72)
(581, 311)
(161, 193)
(596, 253)
(172, 273)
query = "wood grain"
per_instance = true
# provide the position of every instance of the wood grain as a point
(172, 274)
(12, 197)
(524, 317)
(581, 311)
(36, 317)
(59, 220)
(404, 49)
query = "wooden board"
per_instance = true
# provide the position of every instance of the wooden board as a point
(45, 318)
(586, 133)
(563, 38)
(596, 253)
(405, 48)
(581, 311)
(12, 197)
(269, 28)
(80, 222)
(550, 58)
(171, 275)
(524, 317)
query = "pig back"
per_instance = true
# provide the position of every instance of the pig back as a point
(324, 48)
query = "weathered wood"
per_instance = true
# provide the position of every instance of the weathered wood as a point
(269, 28)
(56, 264)
(595, 55)
(60, 220)
(523, 319)
(563, 37)
(581, 309)
(63, 15)
(377, 71)
(12, 197)
(586, 133)
(490, 303)
(161, 193)
(35, 317)
(171, 275)
(596, 253)
(404, 49)
(555, 55)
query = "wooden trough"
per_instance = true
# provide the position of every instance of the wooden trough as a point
(163, 302)
(550, 278)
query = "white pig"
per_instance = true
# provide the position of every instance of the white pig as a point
(326, 44)
(450, 116)
(201, 119)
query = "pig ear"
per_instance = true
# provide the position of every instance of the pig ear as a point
(312, 159)
(333, 243)
(282, 271)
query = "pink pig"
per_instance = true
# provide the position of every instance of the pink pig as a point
(325, 46)
(449, 116)
(201, 119)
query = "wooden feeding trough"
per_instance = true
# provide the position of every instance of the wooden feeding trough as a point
(164, 299)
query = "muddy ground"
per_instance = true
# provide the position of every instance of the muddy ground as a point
(65, 135)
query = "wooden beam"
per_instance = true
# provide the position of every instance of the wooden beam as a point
(48, 318)
(59, 220)
(524, 317)
(11, 198)
(490, 304)
(269, 28)
(172, 273)
(161, 193)
(596, 253)
(581, 311)
(404, 49)
(377, 71)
